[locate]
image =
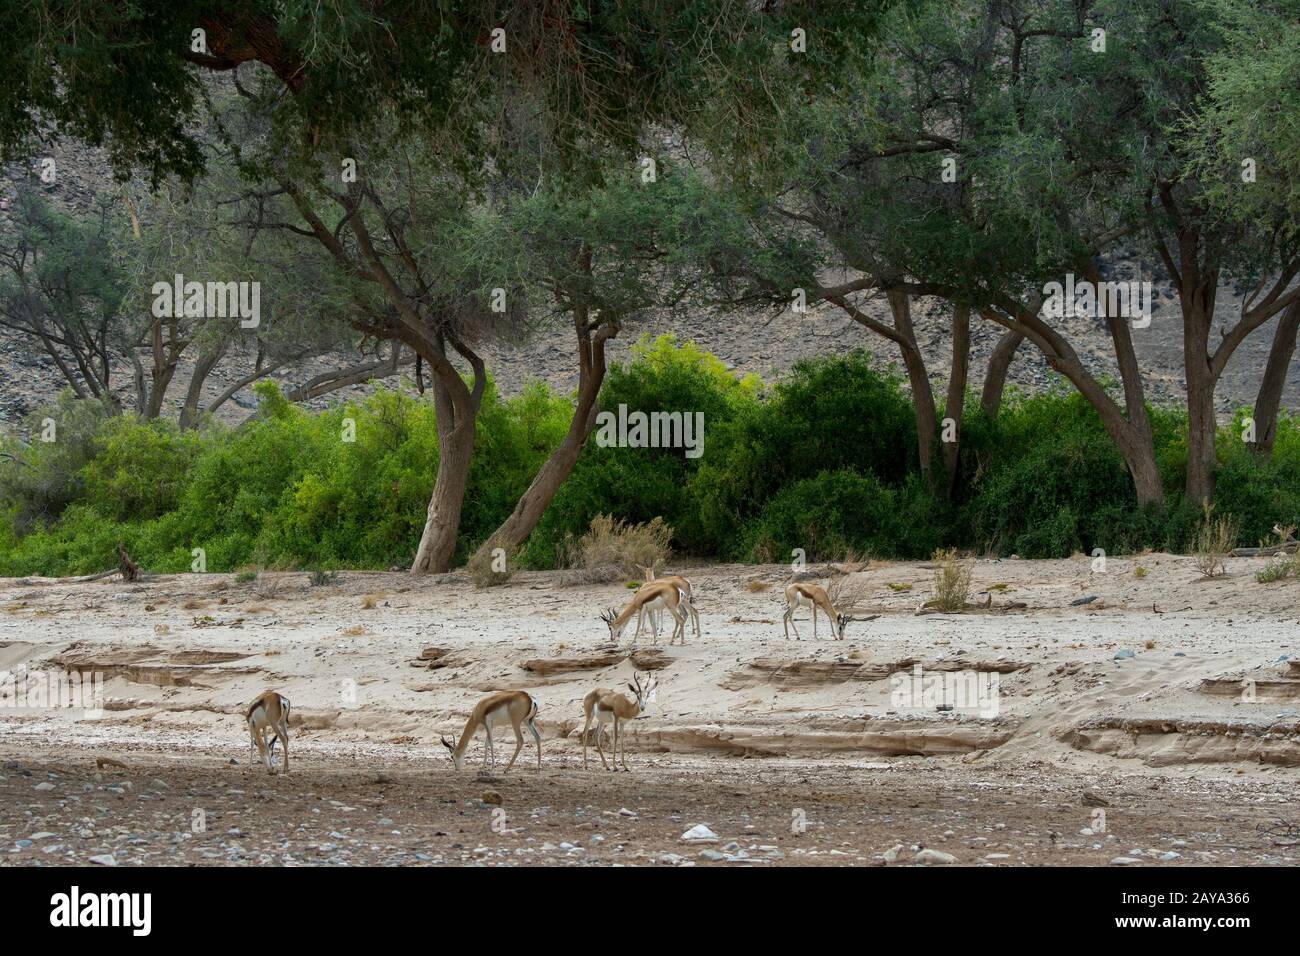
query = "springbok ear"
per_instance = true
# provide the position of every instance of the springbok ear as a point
(635, 690)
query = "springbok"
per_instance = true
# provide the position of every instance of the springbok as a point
(687, 596)
(814, 596)
(655, 596)
(608, 706)
(517, 707)
(269, 711)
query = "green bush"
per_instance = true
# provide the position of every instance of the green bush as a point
(824, 461)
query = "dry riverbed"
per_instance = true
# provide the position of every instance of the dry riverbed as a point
(1155, 723)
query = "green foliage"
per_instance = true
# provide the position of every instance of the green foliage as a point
(128, 76)
(823, 462)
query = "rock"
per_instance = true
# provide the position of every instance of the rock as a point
(1079, 602)
(558, 665)
(44, 786)
(928, 856)
(894, 853)
(700, 834)
(104, 859)
(712, 855)
(1124, 655)
(492, 797)
(1124, 861)
(1090, 799)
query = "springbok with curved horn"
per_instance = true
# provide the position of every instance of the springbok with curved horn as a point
(608, 706)
(814, 596)
(687, 596)
(516, 707)
(655, 596)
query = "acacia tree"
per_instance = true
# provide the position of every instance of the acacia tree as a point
(61, 288)
(961, 167)
(597, 258)
(191, 233)
(1241, 146)
(595, 73)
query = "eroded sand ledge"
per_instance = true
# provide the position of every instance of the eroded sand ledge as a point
(388, 658)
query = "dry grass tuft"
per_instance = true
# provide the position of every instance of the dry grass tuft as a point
(755, 586)
(1213, 540)
(604, 574)
(615, 544)
(1279, 568)
(951, 581)
(487, 570)
(371, 601)
(847, 592)
(194, 604)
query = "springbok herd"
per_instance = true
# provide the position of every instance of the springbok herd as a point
(268, 714)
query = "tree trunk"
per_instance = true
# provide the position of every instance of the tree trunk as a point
(515, 530)
(900, 308)
(442, 522)
(456, 407)
(1198, 313)
(1132, 437)
(956, 404)
(995, 378)
(203, 367)
(1269, 398)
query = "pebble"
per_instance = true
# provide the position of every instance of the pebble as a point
(929, 856)
(700, 834)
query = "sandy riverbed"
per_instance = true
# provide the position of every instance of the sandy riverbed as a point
(792, 752)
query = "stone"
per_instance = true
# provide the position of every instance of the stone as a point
(700, 834)
(928, 856)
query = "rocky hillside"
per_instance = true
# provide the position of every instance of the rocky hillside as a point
(763, 343)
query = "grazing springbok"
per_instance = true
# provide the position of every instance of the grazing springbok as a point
(687, 600)
(814, 596)
(608, 706)
(516, 707)
(655, 596)
(269, 711)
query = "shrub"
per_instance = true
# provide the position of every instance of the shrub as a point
(612, 542)
(1279, 568)
(487, 569)
(1213, 541)
(40, 479)
(952, 579)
